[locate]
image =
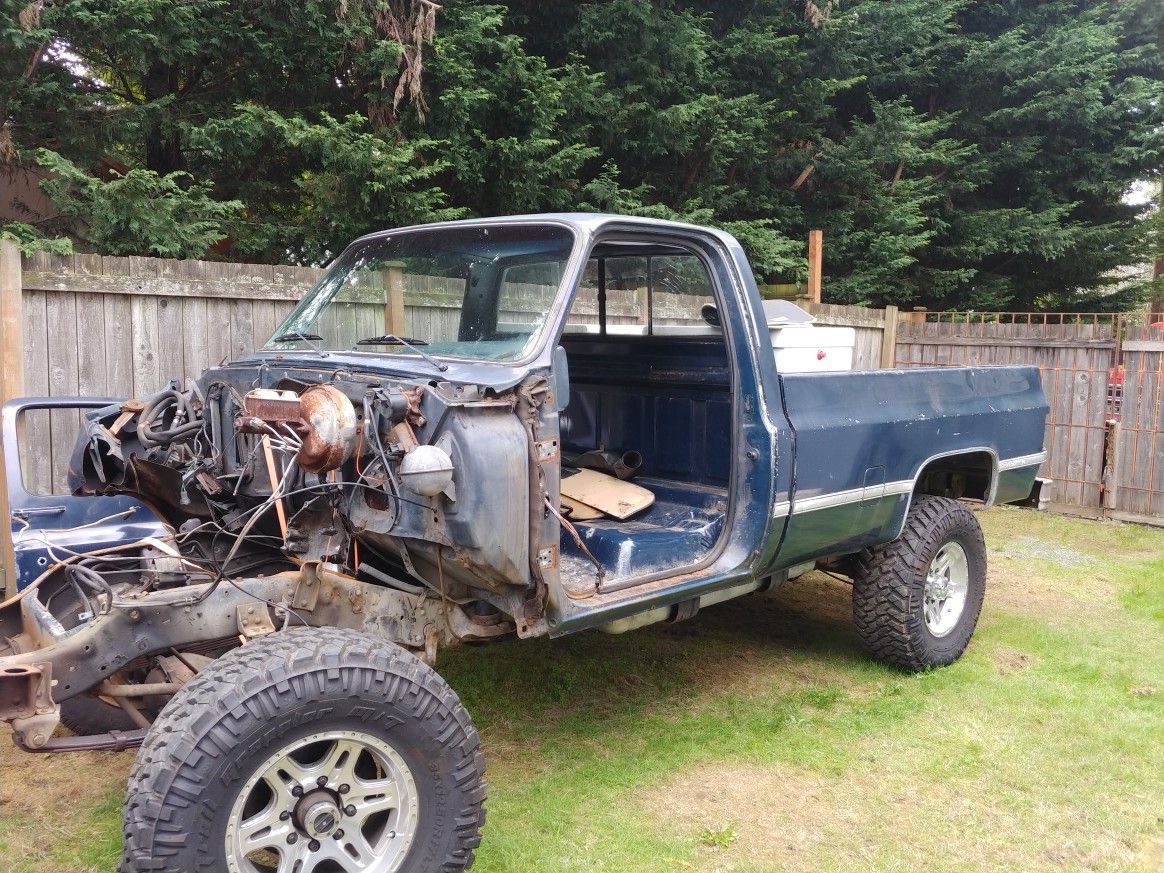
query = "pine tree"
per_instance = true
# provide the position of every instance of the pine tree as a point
(956, 153)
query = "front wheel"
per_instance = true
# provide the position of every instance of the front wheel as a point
(309, 750)
(916, 600)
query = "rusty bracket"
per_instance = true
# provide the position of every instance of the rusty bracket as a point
(26, 701)
(25, 690)
(547, 450)
(307, 589)
(254, 620)
(548, 558)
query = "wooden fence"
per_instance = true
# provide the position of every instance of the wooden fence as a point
(121, 327)
(1135, 466)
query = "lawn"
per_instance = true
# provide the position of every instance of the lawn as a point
(758, 737)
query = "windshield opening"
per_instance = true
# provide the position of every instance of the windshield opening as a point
(481, 293)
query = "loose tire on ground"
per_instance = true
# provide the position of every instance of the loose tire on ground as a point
(897, 605)
(392, 747)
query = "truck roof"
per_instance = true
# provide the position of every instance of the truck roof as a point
(588, 222)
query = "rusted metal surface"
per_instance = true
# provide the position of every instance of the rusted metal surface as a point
(25, 690)
(254, 620)
(269, 405)
(322, 417)
(159, 622)
(114, 741)
(144, 689)
(330, 434)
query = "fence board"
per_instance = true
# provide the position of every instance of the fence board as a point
(119, 348)
(36, 455)
(143, 316)
(61, 312)
(1137, 474)
(171, 318)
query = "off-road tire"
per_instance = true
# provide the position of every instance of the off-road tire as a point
(888, 587)
(278, 689)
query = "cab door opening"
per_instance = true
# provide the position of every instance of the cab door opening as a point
(650, 381)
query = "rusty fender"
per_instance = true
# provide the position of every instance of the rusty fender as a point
(50, 665)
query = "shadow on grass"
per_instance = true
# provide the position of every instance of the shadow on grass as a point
(594, 685)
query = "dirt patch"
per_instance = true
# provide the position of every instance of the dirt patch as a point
(763, 807)
(1033, 547)
(783, 817)
(1009, 660)
(43, 795)
(1024, 585)
(1152, 857)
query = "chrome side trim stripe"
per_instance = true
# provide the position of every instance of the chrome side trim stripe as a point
(844, 498)
(1023, 461)
(889, 489)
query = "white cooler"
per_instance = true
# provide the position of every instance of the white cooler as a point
(806, 348)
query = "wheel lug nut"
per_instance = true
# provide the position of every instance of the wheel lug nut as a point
(339, 835)
(345, 788)
(292, 839)
(321, 781)
(313, 845)
(297, 791)
(284, 815)
(350, 809)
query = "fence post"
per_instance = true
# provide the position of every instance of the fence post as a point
(815, 264)
(643, 304)
(11, 383)
(889, 339)
(394, 311)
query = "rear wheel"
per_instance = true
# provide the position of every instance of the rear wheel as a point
(916, 600)
(310, 750)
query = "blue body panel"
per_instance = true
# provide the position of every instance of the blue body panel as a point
(873, 432)
(46, 527)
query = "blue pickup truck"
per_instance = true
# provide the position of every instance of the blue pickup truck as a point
(466, 431)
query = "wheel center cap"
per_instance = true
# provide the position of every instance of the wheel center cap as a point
(324, 822)
(318, 814)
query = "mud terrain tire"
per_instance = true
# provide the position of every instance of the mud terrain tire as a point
(204, 755)
(898, 616)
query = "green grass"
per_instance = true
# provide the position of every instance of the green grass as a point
(758, 737)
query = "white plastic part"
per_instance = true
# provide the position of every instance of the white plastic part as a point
(812, 349)
(427, 470)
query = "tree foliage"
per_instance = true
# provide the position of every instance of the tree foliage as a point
(969, 153)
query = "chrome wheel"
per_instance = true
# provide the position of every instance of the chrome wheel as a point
(947, 584)
(330, 802)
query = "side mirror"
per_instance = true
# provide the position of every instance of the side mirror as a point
(560, 379)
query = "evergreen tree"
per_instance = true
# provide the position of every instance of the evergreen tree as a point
(957, 153)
